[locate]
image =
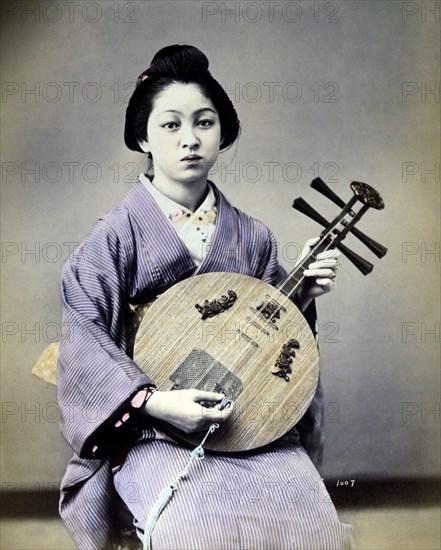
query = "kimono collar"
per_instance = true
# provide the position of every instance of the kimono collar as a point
(174, 261)
(196, 228)
(174, 211)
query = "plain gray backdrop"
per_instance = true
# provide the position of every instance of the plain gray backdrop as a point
(348, 90)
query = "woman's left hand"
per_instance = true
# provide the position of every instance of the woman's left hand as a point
(320, 275)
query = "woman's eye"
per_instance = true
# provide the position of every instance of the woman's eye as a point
(205, 123)
(170, 125)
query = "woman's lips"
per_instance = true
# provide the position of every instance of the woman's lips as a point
(192, 159)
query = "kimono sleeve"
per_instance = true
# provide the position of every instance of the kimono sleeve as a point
(95, 376)
(271, 270)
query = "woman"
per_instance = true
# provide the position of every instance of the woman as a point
(181, 118)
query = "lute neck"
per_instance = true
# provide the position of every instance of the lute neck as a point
(291, 285)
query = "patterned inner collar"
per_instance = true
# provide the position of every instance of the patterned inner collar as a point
(175, 212)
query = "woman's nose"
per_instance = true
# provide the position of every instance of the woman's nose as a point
(189, 138)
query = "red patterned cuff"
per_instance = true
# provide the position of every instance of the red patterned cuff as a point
(137, 402)
(141, 398)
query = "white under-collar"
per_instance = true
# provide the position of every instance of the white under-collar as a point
(194, 228)
(169, 206)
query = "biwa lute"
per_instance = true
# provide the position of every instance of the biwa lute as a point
(240, 336)
(233, 352)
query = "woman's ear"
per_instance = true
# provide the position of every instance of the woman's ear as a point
(144, 146)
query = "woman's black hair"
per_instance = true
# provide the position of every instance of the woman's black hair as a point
(172, 64)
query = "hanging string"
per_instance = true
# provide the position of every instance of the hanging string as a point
(166, 494)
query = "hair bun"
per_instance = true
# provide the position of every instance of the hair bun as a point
(178, 61)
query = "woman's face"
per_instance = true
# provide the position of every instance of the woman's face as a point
(183, 134)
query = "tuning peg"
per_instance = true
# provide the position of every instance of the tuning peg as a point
(360, 263)
(378, 249)
(319, 185)
(302, 206)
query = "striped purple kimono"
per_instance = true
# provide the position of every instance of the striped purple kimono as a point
(131, 255)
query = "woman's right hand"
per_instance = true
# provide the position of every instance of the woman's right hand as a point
(183, 410)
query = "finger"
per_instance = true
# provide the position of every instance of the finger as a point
(228, 408)
(311, 242)
(200, 395)
(213, 414)
(327, 273)
(324, 264)
(330, 254)
(326, 270)
(325, 282)
(323, 286)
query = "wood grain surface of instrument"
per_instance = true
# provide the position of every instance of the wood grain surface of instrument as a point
(234, 352)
